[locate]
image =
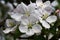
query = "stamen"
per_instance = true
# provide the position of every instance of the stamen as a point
(12, 24)
(45, 16)
(27, 14)
(29, 26)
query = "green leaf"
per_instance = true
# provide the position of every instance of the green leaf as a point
(40, 37)
(9, 37)
(57, 23)
(17, 33)
(58, 1)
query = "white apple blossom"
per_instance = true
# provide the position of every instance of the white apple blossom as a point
(29, 16)
(11, 26)
(44, 17)
(29, 26)
(43, 13)
(21, 10)
(47, 21)
(45, 6)
(41, 4)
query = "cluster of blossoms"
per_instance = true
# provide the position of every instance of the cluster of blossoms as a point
(30, 19)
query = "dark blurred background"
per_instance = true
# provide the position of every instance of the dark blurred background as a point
(25, 1)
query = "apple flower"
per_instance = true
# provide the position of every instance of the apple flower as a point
(11, 26)
(29, 26)
(22, 9)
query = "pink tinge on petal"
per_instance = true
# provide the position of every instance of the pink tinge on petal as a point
(57, 11)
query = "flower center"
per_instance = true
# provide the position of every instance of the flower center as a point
(41, 5)
(12, 24)
(45, 16)
(29, 25)
(27, 13)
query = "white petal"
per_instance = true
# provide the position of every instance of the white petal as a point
(25, 7)
(36, 13)
(32, 7)
(41, 11)
(38, 2)
(11, 13)
(45, 24)
(44, 12)
(8, 21)
(7, 30)
(15, 4)
(51, 19)
(21, 8)
(37, 28)
(24, 35)
(24, 20)
(32, 19)
(49, 9)
(23, 28)
(17, 16)
(30, 1)
(47, 3)
(30, 32)
(10, 6)
(54, 3)
(14, 28)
